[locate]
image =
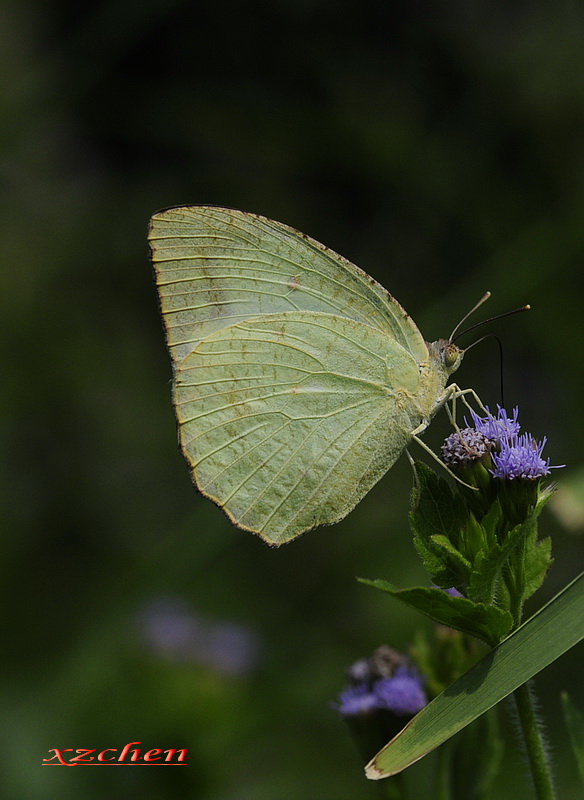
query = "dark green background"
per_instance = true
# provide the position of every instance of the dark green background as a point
(439, 146)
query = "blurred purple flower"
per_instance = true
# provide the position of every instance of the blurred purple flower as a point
(403, 694)
(453, 592)
(358, 699)
(360, 671)
(385, 682)
(174, 632)
(231, 649)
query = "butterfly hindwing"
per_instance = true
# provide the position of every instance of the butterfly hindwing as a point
(289, 419)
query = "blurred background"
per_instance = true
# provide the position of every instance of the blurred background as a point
(438, 146)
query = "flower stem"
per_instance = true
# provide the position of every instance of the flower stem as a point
(391, 788)
(442, 791)
(532, 735)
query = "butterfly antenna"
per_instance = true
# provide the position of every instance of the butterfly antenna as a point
(484, 321)
(483, 299)
(501, 370)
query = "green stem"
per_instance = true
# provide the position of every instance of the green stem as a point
(391, 788)
(442, 791)
(538, 762)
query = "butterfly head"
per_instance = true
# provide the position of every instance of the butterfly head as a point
(447, 355)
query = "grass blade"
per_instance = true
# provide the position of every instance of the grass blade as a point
(549, 633)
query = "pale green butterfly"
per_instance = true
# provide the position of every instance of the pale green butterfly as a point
(298, 379)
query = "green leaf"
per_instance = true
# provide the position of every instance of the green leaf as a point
(552, 631)
(528, 565)
(473, 538)
(575, 725)
(491, 520)
(443, 563)
(453, 568)
(431, 556)
(436, 520)
(443, 655)
(436, 508)
(486, 622)
(488, 566)
(538, 560)
(481, 587)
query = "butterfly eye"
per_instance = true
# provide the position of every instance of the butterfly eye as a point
(451, 355)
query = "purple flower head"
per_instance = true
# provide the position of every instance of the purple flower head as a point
(464, 447)
(231, 649)
(403, 694)
(453, 592)
(170, 629)
(386, 681)
(508, 453)
(175, 633)
(521, 457)
(497, 428)
(361, 671)
(356, 700)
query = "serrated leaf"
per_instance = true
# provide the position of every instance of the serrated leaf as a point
(490, 521)
(430, 555)
(481, 587)
(538, 560)
(451, 553)
(436, 520)
(486, 622)
(488, 565)
(445, 565)
(574, 720)
(436, 508)
(528, 565)
(559, 624)
(453, 569)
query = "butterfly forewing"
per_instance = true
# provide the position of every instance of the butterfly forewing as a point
(216, 267)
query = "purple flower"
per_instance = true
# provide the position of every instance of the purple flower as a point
(464, 447)
(453, 592)
(390, 683)
(495, 442)
(361, 671)
(170, 628)
(230, 648)
(175, 633)
(497, 428)
(521, 457)
(403, 694)
(357, 699)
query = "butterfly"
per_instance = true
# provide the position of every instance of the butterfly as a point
(298, 379)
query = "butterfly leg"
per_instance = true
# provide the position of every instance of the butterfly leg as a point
(415, 471)
(429, 450)
(454, 394)
(451, 394)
